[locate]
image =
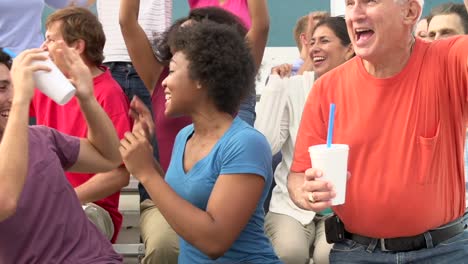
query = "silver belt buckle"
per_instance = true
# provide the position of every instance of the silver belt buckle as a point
(382, 245)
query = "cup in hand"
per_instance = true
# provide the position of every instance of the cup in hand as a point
(54, 84)
(333, 162)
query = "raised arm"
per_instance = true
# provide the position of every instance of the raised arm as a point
(258, 33)
(99, 151)
(138, 46)
(272, 113)
(14, 146)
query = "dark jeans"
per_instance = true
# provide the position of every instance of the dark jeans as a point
(127, 77)
(453, 250)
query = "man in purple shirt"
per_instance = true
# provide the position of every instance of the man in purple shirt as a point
(41, 219)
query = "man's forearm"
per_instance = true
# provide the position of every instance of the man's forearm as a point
(295, 182)
(102, 185)
(101, 131)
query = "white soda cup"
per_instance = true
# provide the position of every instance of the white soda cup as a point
(333, 162)
(54, 84)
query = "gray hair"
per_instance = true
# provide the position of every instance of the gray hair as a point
(421, 3)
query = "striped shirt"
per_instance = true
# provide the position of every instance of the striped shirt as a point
(154, 17)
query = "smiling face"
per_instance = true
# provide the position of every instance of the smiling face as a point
(375, 25)
(6, 95)
(444, 26)
(327, 51)
(179, 88)
(52, 35)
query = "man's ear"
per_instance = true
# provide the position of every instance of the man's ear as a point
(79, 45)
(349, 52)
(412, 12)
(303, 38)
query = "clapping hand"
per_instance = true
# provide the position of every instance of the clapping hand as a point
(68, 60)
(135, 147)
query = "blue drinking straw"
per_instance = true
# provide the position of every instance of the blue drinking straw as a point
(9, 52)
(331, 121)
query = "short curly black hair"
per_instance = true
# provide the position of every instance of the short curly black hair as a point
(220, 59)
(212, 13)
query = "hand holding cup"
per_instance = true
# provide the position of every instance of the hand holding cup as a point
(317, 192)
(22, 73)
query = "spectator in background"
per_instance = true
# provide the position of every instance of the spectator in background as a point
(304, 26)
(448, 20)
(298, 235)
(220, 170)
(304, 62)
(299, 33)
(99, 193)
(154, 16)
(41, 219)
(20, 22)
(254, 15)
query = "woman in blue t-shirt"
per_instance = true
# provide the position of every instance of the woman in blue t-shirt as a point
(220, 170)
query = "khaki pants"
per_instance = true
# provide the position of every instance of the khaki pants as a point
(161, 241)
(295, 243)
(100, 218)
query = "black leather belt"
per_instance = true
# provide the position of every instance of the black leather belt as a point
(410, 243)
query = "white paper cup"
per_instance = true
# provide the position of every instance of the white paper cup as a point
(333, 162)
(54, 84)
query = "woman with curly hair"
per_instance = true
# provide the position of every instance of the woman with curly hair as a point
(220, 170)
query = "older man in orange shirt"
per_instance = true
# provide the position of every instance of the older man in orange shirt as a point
(402, 108)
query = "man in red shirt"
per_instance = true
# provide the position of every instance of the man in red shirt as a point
(99, 193)
(401, 106)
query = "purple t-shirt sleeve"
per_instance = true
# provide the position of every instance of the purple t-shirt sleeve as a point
(67, 147)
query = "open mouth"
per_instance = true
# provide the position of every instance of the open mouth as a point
(318, 60)
(168, 98)
(363, 34)
(5, 113)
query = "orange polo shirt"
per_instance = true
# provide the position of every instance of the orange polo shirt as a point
(406, 136)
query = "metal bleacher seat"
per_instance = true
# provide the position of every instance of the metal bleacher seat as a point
(128, 243)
